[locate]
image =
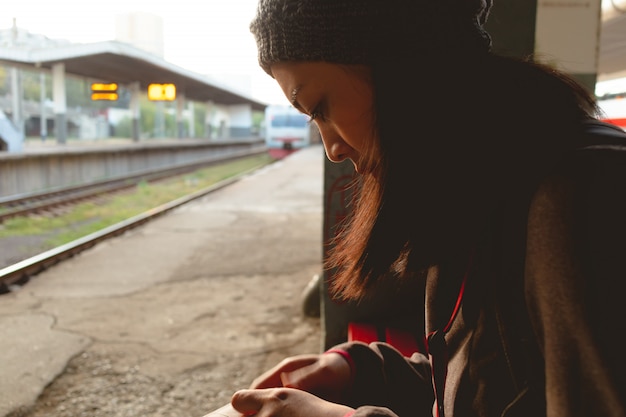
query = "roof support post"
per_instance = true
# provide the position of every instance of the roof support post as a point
(239, 120)
(60, 103)
(17, 93)
(135, 110)
(43, 120)
(208, 119)
(572, 45)
(180, 120)
(192, 119)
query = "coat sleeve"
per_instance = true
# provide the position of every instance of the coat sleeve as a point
(575, 286)
(386, 383)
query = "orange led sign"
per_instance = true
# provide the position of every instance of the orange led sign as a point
(162, 92)
(103, 87)
(104, 96)
(104, 91)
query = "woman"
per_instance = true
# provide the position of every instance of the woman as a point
(510, 213)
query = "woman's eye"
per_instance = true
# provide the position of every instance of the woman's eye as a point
(316, 114)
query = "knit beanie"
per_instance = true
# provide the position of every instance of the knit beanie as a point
(358, 31)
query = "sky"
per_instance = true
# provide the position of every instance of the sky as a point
(209, 37)
(205, 36)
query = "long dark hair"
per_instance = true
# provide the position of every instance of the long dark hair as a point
(457, 136)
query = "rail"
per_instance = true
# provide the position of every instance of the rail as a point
(23, 204)
(21, 272)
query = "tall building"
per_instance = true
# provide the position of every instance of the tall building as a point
(140, 29)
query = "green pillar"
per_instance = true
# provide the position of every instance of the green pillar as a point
(335, 315)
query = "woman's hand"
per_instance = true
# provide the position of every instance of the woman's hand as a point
(326, 375)
(284, 402)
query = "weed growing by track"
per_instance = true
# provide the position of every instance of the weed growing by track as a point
(89, 217)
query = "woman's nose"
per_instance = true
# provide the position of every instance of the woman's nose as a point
(336, 149)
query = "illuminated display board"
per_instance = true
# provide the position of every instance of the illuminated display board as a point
(104, 91)
(162, 92)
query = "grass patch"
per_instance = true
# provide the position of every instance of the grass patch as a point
(89, 217)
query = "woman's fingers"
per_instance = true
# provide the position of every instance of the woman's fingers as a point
(326, 375)
(330, 373)
(247, 401)
(284, 402)
(272, 378)
(275, 402)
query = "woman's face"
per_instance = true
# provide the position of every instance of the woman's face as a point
(338, 98)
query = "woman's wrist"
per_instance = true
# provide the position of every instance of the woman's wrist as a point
(346, 356)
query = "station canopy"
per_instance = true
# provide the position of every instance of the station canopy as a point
(122, 63)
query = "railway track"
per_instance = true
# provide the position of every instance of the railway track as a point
(35, 203)
(21, 272)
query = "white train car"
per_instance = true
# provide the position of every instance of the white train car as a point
(614, 110)
(286, 128)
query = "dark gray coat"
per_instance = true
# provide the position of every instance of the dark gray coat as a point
(541, 325)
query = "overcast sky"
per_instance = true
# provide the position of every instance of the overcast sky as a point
(206, 36)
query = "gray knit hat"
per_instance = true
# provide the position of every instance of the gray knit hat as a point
(353, 31)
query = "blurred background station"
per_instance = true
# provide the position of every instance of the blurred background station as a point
(52, 63)
(115, 113)
(96, 98)
(199, 62)
(130, 70)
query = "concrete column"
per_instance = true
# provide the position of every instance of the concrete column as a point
(180, 120)
(568, 37)
(17, 100)
(208, 119)
(192, 119)
(60, 103)
(335, 314)
(159, 119)
(135, 110)
(613, 12)
(240, 120)
(12, 139)
(43, 124)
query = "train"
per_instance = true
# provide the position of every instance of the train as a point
(286, 128)
(614, 109)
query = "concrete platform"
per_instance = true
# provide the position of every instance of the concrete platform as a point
(163, 298)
